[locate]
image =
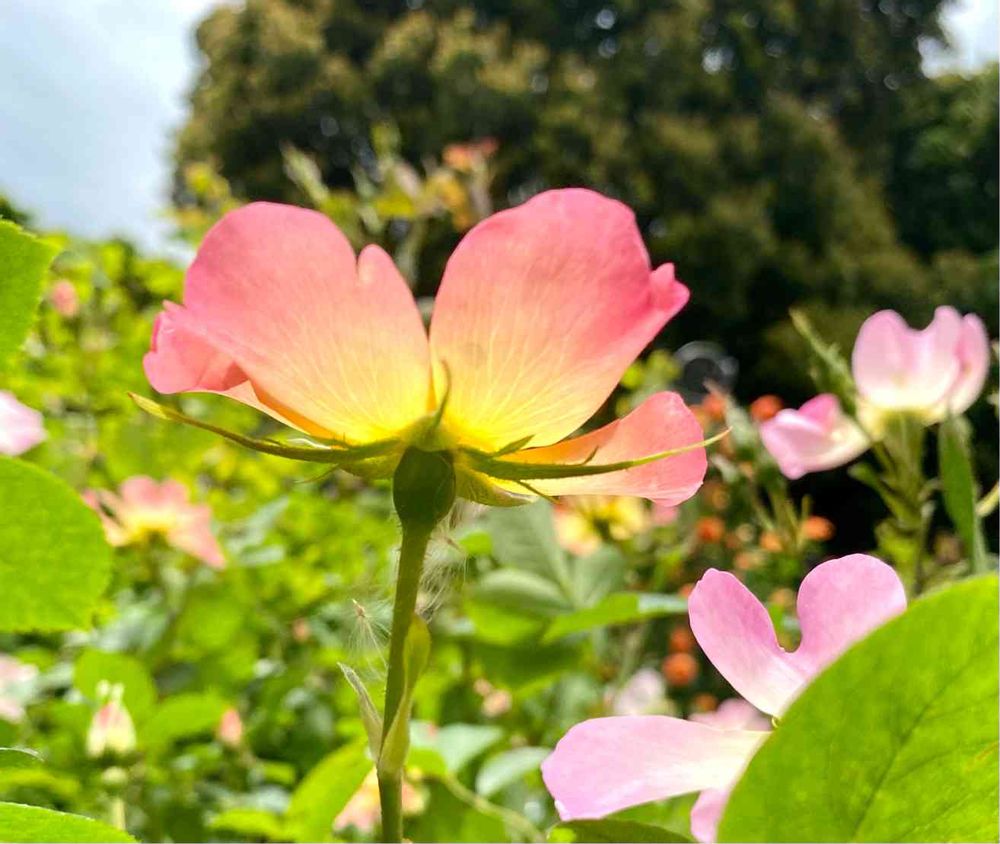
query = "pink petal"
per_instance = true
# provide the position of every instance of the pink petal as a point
(193, 534)
(279, 315)
(607, 764)
(974, 364)
(662, 422)
(707, 812)
(540, 311)
(815, 437)
(899, 368)
(734, 714)
(840, 602)
(735, 632)
(21, 428)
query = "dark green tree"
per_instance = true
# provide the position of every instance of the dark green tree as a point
(754, 140)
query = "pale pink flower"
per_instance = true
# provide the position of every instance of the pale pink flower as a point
(363, 811)
(14, 677)
(64, 298)
(21, 427)
(931, 373)
(230, 730)
(111, 729)
(643, 693)
(817, 436)
(144, 507)
(540, 311)
(607, 764)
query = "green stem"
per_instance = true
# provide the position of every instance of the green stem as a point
(411, 565)
(423, 491)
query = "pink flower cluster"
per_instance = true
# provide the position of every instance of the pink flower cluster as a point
(928, 374)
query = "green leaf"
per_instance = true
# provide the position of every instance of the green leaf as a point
(608, 830)
(245, 823)
(325, 791)
(505, 768)
(896, 741)
(456, 744)
(54, 562)
(525, 538)
(524, 592)
(16, 757)
(183, 716)
(617, 608)
(23, 261)
(139, 691)
(19, 823)
(959, 489)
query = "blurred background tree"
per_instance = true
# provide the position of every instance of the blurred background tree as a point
(782, 152)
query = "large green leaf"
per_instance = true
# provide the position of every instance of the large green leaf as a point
(23, 261)
(896, 741)
(54, 562)
(325, 791)
(617, 608)
(609, 830)
(19, 823)
(959, 489)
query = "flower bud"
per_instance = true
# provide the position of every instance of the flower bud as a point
(111, 729)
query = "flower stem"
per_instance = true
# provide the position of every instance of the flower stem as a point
(423, 493)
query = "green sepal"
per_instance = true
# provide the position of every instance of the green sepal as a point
(512, 470)
(335, 453)
(396, 742)
(370, 718)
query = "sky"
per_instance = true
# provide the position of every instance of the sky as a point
(94, 89)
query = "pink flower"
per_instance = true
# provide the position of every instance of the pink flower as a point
(644, 692)
(817, 436)
(932, 373)
(64, 298)
(14, 675)
(143, 508)
(540, 311)
(21, 427)
(230, 731)
(607, 764)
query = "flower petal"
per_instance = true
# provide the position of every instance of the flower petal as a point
(899, 368)
(21, 428)
(661, 423)
(974, 363)
(540, 311)
(707, 812)
(735, 632)
(815, 437)
(278, 314)
(607, 764)
(840, 602)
